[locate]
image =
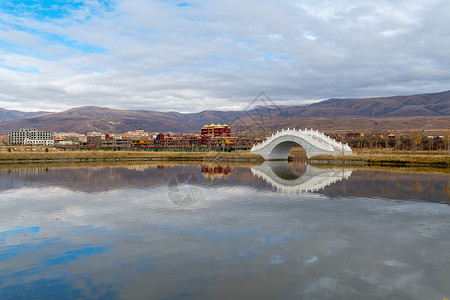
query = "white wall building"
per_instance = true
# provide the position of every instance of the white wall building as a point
(31, 136)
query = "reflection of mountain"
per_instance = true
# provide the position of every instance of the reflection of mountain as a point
(280, 176)
(406, 185)
(368, 183)
(103, 177)
(91, 179)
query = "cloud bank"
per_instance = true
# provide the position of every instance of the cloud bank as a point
(196, 55)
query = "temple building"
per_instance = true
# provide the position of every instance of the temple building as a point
(216, 130)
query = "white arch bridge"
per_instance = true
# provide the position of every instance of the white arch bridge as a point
(277, 146)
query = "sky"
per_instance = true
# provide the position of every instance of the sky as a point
(191, 55)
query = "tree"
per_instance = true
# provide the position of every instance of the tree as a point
(417, 139)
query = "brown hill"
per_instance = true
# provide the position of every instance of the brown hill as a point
(93, 118)
(274, 123)
(435, 104)
(353, 114)
(9, 115)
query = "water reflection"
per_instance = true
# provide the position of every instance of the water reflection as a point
(114, 232)
(297, 177)
(280, 176)
(183, 189)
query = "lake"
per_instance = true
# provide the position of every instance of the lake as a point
(223, 231)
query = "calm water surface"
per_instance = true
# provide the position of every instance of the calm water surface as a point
(148, 231)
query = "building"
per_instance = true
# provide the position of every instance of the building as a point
(115, 143)
(69, 138)
(137, 135)
(3, 138)
(163, 140)
(31, 136)
(216, 130)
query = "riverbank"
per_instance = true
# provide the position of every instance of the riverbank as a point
(17, 157)
(398, 160)
(28, 156)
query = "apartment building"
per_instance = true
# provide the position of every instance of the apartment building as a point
(31, 136)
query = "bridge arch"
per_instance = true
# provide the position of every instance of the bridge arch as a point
(277, 146)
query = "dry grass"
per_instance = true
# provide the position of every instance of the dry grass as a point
(441, 161)
(100, 155)
(393, 152)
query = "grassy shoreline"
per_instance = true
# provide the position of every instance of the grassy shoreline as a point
(105, 156)
(393, 160)
(23, 156)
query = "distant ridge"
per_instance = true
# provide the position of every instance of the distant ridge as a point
(9, 115)
(429, 105)
(432, 107)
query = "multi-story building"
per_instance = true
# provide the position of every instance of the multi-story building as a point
(69, 138)
(115, 143)
(216, 130)
(31, 136)
(137, 135)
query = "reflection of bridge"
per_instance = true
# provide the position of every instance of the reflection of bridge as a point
(279, 175)
(278, 145)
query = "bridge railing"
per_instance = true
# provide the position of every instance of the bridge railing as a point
(309, 139)
(339, 147)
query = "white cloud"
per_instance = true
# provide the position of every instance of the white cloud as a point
(158, 55)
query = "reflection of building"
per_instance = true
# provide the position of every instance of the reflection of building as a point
(139, 168)
(216, 130)
(212, 172)
(31, 136)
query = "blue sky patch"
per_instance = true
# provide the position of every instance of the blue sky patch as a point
(41, 10)
(81, 46)
(179, 3)
(21, 70)
(51, 9)
(183, 4)
(51, 38)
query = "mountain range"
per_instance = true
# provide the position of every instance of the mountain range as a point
(9, 115)
(425, 111)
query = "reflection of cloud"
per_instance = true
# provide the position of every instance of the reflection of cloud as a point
(182, 190)
(236, 236)
(279, 175)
